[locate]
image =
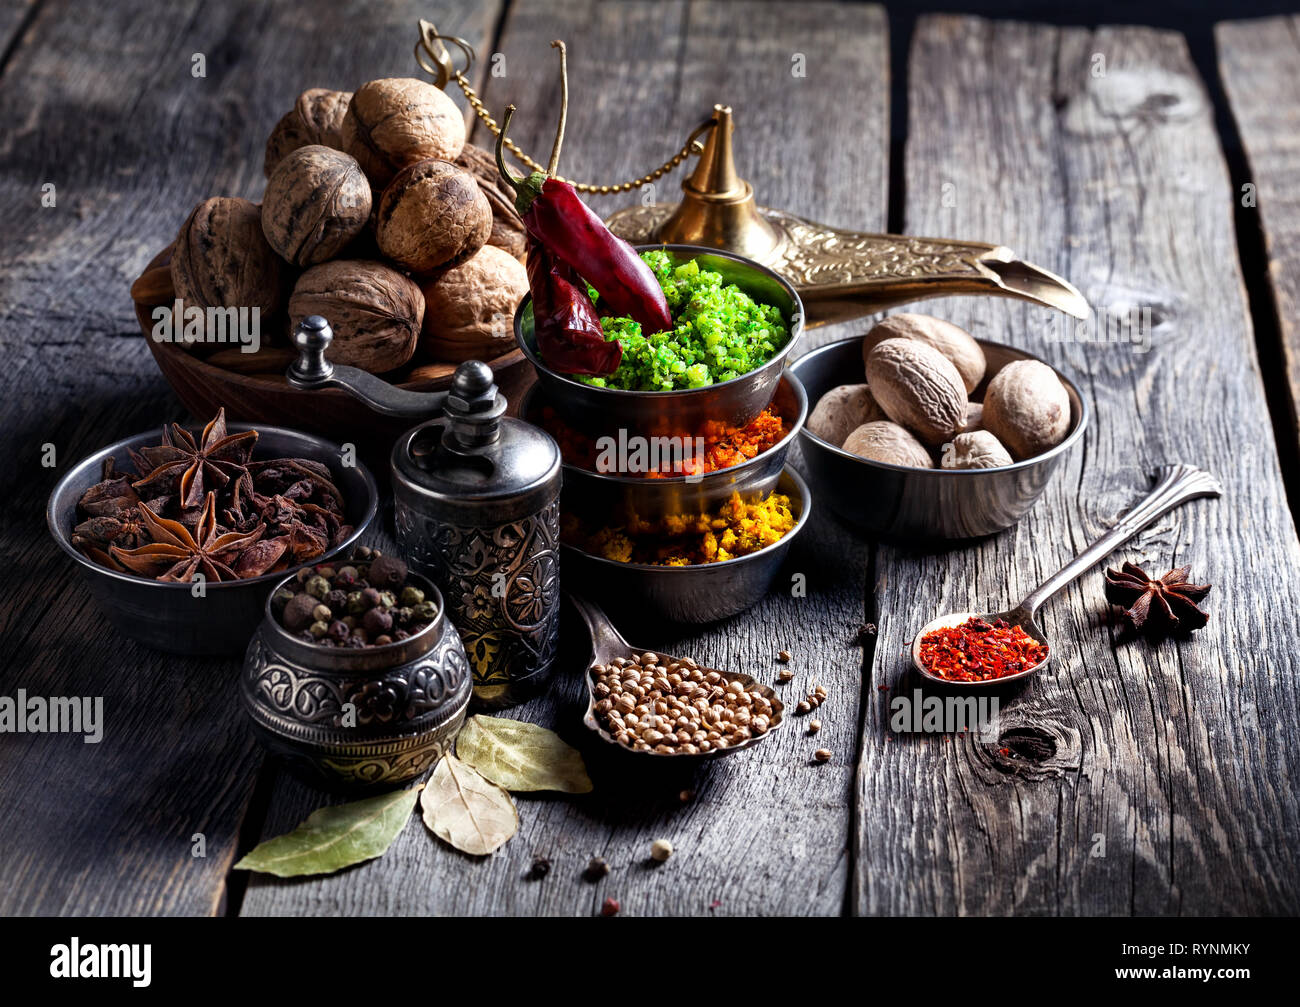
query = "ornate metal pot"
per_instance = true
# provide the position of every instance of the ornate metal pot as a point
(477, 510)
(370, 718)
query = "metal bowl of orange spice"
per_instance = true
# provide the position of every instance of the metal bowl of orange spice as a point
(626, 478)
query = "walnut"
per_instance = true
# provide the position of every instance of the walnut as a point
(222, 260)
(507, 227)
(316, 117)
(469, 310)
(375, 311)
(397, 121)
(317, 200)
(431, 215)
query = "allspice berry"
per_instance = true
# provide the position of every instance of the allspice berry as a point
(222, 260)
(432, 215)
(316, 117)
(374, 310)
(317, 201)
(397, 121)
(469, 310)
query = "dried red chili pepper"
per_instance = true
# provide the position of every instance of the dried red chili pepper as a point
(978, 650)
(565, 228)
(568, 330)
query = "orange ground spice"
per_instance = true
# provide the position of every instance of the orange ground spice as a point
(724, 446)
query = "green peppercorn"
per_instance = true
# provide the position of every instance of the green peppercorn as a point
(304, 574)
(279, 600)
(426, 611)
(356, 604)
(319, 629)
(383, 639)
(411, 596)
(386, 600)
(321, 613)
(317, 586)
(404, 615)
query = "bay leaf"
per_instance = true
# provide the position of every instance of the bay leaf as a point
(334, 837)
(521, 756)
(464, 809)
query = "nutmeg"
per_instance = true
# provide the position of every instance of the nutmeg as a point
(885, 441)
(317, 200)
(1027, 408)
(954, 342)
(374, 310)
(919, 387)
(469, 310)
(222, 260)
(316, 117)
(396, 121)
(507, 227)
(432, 215)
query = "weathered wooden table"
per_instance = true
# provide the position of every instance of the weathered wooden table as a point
(1136, 779)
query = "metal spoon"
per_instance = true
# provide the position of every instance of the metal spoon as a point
(607, 644)
(1176, 485)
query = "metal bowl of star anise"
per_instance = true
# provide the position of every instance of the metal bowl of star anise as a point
(182, 535)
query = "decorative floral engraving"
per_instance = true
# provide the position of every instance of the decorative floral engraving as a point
(501, 584)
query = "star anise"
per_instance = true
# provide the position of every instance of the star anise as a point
(176, 555)
(1157, 605)
(191, 468)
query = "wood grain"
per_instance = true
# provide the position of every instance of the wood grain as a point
(114, 119)
(767, 831)
(1176, 755)
(1259, 64)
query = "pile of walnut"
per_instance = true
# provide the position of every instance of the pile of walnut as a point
(915, 410)
(377, 215)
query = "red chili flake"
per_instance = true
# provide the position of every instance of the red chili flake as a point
(610, 908)
(715, 903)
(1004, 752)
(978, 650)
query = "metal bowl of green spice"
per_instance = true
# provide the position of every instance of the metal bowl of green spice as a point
(735, 323)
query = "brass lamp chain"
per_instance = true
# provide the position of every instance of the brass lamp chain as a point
(444, 70)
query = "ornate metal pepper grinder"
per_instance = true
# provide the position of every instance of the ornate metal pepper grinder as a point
(478, 512)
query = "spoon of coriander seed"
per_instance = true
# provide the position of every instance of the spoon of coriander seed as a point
(991, 648)
(668, 707)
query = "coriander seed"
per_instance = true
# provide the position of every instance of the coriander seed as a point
(661, 850)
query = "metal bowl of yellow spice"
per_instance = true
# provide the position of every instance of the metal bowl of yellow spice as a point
(691, 568)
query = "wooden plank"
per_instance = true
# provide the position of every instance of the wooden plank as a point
(115, 120)
(767, 831)
(13, 16)
(1259, 63)
(1176, 755)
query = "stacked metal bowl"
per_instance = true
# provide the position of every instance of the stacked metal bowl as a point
(703, 592)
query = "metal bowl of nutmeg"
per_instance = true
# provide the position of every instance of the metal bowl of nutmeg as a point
(919, 432)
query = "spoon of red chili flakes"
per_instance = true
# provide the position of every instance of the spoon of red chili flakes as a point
(987, 648)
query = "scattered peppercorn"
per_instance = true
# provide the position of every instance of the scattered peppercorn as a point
(540, 868)
(822, 755)
(686, 796)
(596, 869)
(783, 657)
(678, 708)
(610, 908)
(813, 700)
(814, 726)
(784, 675)
(661, 850)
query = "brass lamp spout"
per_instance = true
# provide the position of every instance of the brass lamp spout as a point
(840, 274)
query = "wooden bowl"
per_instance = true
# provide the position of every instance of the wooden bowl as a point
(253, 389)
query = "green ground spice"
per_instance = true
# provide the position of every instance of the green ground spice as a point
(719, 333)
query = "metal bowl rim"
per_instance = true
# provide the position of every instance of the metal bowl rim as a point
(785, 443)
(97, 457)
(805, 497)
(1085, 413)
(796, 328)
